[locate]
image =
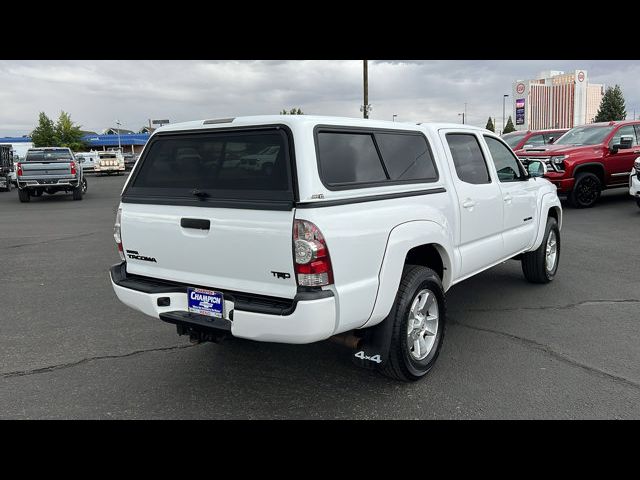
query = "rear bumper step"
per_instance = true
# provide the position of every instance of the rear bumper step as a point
(311, 316)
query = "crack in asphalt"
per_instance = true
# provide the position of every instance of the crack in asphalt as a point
(62, 366)
(51, 240)
(587, 303)
(555, 354)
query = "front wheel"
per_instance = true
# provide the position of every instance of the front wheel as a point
(541, 265)
(586, 190)
(8, 184)
(638, 202)
(418, 316)
(78, 192)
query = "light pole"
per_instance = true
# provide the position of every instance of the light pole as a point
(504, 97)
(366, 108)
(394, 117)
(462, 114)
(119, 146)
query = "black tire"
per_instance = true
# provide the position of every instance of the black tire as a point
(23, 195)
(586, 190)
(78, 191)
(400, 364)
(9, 185)
(85, 185)
(638, 202)
(534, 265)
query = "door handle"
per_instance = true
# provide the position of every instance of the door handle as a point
(197, 223)
(468, 203)
(508, 198)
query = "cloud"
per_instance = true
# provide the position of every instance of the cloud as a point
(96, 93)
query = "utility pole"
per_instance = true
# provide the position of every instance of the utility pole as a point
(365, 76)
(504, 97)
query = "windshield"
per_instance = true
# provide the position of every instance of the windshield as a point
(586, 135)
(513, 139)
(47, 155)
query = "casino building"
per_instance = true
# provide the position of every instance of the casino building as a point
(555, 100)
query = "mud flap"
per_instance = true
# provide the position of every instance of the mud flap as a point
(373, 350)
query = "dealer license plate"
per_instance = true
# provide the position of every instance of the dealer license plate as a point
(205, 302)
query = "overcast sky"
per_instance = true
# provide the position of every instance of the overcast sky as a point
(96, 93)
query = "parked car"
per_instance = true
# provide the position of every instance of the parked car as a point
(130, 160)
(50, 170)
(87, 160)
(6, 168)
(535, 138)
(110, 162)
(634, 181)
(264, 159)
(590, 158)
(356, 233)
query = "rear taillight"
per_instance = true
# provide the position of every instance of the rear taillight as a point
(311, 255)
(73, 168)
(116, 234)
(19, 169)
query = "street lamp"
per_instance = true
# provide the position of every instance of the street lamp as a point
(394, 117)
(118, 124)
(504, 97)
(462, 114)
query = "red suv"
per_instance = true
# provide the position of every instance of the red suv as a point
(536, 138)
(589, 158)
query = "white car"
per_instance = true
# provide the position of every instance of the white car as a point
(109, 162)
(634, 181)
(356, 233)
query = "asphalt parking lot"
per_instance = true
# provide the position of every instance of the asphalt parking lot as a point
(70, 349)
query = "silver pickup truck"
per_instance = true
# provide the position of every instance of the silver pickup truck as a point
(50, 170)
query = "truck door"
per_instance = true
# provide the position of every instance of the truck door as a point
(479, 202)
(519, 194)
(619, 164)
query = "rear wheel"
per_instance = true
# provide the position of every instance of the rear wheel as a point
(23, 195)
(638, 202)
(418, 317)
(78, 192)
(586, 190)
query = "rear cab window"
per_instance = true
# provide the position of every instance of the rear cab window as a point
(243, 168)
(47, 155)
(350, 158)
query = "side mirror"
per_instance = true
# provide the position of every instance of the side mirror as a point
(626, 142)
(551, 140)
(536, 168)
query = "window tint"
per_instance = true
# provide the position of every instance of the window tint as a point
(626, 130)
(47, 155)
(467, 158)
(349, 158)
(505, 162)
(534, 140)
(407, 157)
(228, 165)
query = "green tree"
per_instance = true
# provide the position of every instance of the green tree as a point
(508, 128)
(612, 106)
(490, 125)
(44, 135)
(293, 111)
(68, 134)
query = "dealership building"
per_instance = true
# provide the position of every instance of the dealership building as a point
(555, 100)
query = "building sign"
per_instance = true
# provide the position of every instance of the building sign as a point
(520, 111)
(581, 76)
(520, 88)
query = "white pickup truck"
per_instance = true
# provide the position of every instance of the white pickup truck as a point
(355, 233)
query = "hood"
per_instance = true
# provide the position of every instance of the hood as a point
(548, 150)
